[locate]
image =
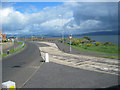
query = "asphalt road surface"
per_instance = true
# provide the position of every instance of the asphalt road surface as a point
(19, 67)
(53, 75)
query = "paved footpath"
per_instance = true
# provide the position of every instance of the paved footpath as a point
(80, 61)
(89, 72)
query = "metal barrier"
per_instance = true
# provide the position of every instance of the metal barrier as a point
(20, 46)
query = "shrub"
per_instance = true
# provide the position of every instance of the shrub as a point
(89, 44)
(60, 39)
(88, 38)
(82, 42)
(107, 43)
(98, 43)
(75, 42)
(80, 45)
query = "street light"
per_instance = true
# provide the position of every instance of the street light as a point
(1, 44)
(62, 28)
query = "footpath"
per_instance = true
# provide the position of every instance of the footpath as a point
(73, 71)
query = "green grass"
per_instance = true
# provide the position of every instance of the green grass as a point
(100, 49)
(106, 56)
(20, 42)
(13, 51)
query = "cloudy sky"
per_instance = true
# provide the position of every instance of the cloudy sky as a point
(58, 17)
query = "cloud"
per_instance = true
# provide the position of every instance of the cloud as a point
(73, 17)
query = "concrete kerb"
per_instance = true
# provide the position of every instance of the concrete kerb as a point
(9, 85)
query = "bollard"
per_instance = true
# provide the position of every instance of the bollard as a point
(9, 85)
(8, 51)
(46, 57)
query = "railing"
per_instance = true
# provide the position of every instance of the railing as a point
(20, 46)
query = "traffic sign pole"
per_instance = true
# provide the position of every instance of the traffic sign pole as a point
(70, 37)
(70, 46)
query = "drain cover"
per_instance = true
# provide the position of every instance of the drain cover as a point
(17, 66)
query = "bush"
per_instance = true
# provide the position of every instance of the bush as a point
(4, 41)
(88, 38)
(60, 39)
(80, 45)
(75, 42)
(82, 42)
(89, 44)
(107, 43)
(98, 43)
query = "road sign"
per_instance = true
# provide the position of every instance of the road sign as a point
(70, 36)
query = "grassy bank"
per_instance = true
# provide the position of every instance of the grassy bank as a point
(88, 45)
(13, 50)
(99, 49)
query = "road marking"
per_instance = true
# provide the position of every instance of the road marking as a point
(31, 75)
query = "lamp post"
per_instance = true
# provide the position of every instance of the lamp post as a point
(1, 44)
(62, 29)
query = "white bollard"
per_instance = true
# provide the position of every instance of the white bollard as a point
(46, 57)
(9, 85)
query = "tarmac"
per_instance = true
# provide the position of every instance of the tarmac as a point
(54, 75)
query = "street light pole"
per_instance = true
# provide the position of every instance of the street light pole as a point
(1, 45)
(62, 29)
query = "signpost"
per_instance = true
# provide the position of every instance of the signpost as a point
(70, 37)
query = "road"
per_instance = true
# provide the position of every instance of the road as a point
(19, 67)
(53, 75)
(62, 71)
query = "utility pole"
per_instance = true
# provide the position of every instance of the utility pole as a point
(70, 37)
(1, 44)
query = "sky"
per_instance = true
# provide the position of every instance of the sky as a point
(55, 18)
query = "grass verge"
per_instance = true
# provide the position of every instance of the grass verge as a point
(99, 49)
(13, 51)
(106, 56)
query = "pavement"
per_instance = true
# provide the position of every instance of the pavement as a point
(79, 61)
(55, 75)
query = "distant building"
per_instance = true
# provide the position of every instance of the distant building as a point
(2, 36)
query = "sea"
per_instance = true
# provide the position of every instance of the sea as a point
(104, 38)
(98, 38)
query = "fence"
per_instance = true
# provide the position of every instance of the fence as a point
(20, 46)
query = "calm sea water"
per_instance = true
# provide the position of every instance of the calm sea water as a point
(104, 38)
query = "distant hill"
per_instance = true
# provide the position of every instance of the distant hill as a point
(66, 35)
(100, 33)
